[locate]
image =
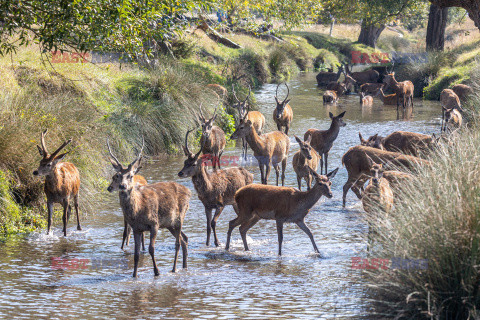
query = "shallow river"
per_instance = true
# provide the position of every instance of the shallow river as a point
(87, 276)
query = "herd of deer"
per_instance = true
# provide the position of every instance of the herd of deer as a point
(148, 207)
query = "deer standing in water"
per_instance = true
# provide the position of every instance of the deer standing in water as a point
(212, 139)
(150, 207)
(304, 160)
(403, 90)
(330, 96)
(62, 182)
(244, 112)
(282, 204)
(322, 140)
(215, 189)
(365, 101)
(283, 113)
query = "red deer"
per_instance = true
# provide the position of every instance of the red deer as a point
(269, 148)
(453, 119)
(371, 88)
(361, 77)
(374, 141)
(449, 100)
(216, 189)
(62, 182)
(462, 91)
(339, 88)
(322, 140)
(358, 165)
(138, 181)
(283, 113)
(324, 78)
(403, 90)
(150, 207)
(365, 101)
(330, 96)
(256, 117)
(282, 204)
(303, 160)
(390, 99)
(212, 139)
(411, 143)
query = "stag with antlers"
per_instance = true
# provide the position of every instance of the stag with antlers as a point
(283, 113)
(213, 138)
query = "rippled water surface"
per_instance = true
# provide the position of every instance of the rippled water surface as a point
(36, 282)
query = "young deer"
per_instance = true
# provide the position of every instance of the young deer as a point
(453, 119)
(377, 194)
(282, 204)
(269, 148)
(283, 113)
(330, 96)
(462, 91)
(216, 189)
(150, 207)
(371, 88)
(256, 117)
(449, 100)
(403, 90)
(62, 182)
(138, 181)
(358, 165)
(212, 139)
(365, 101)
(389, 100)
(303, 160)
(322, 140)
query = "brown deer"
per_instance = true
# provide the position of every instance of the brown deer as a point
(212, 139)
(324, 78)
(150, 207)
(361, 77)
(371, 88)
(403, 90)
(374, 141)
(389, 100)
(282, 204)
(283, 113)
(62, 182)
(269, 148)
(462, 91)
(330, 96)
(449, 100)
(303, 160)
(337, 87)
(138, 181)
(256, 117)
(358, 165)
(322, 140)
(411, 143)
(216, 189)
(453, 119)
(365, 101)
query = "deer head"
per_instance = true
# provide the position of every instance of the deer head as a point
(242, 130)
(305, 148)
(281, 105)
(376, 171)
(338, 120)
(49, 161)
(123, 178)
(324, 181)
(193, 162)
(371, 142)
(207, 124)
(241, 105)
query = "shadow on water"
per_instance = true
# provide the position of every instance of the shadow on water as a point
(218, 284)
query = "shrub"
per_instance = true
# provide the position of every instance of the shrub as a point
(281, 66)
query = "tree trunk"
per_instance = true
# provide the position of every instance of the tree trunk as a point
(437, 22)
(369, 33)
(472, 7)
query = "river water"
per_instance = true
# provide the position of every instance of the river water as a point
(87, 276)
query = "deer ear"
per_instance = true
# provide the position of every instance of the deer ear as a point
(298, 139)
(361, 138)
(60, 157)
(185, 151)
(332, 174)
(115, 165)
(40, 150)
(286, 101)
(276, 99)
(213, 118)
(249, 122)
(309, 139)
(341, 114)
(374, 137)
(331, 115)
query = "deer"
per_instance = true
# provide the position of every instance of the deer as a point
(303, 160)
(282, 204)
(361, 77)
(453, 119)
(365, 101)
(330, 96)
(138, 181)
(337, 87)
(283, 113)
(324, 78)
(218, 88)
(403, 90)
(269, 149)
(322, 140)
(212, 139)
(256, 117)
(216, 189)
(449, 100)
(62, 182)
(390, 99)
(150, 207)
(358, 165)
(462, 91)
(371, 88)
(411, 143)
(374, 141)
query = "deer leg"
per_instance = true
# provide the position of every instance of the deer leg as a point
(321, 164)
(262, 172)
(218, 159)
(151, 249)
(245, 227)
(184, 244)
(267, 171)
(218, 211)
(136, 257)
(299, 181)
(284, 166)
(126, 234)
(232, 225)
(208, 213)
(326, 163)
(308, 179)
(75, 203)
(286, 129)
(245, 147)
(143, 241)
(279, 127)
(277, 171)
(64, 217)
(346, 187)
(50, 216)
(305, 229)
(280, 236)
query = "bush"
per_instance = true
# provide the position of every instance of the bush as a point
(325, 60)
(249, 66)
(393, 43)
(298, 54)
(281, 66)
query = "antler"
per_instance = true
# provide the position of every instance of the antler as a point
(186, 141)
(139, 154)
(249, 92)
(288, 92)
(276, 92)
(234, 94)
(111, 154)
(60, 148)
(42, 141)
(201, 113)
